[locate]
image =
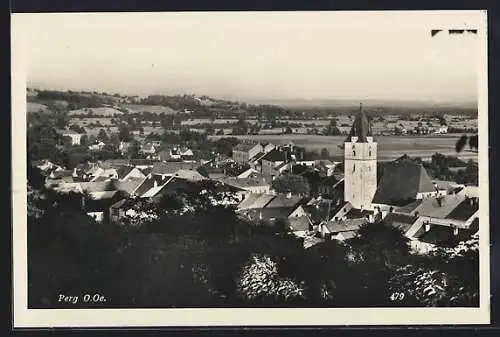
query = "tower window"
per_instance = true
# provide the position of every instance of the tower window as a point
(354, 168)
(354, 153)
(370, 153)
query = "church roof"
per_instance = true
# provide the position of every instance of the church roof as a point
(361, 127)
(402, 182)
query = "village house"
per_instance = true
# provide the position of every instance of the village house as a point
(98, 146)
(300, 226)
(277, 162)
(75, 137)
(47, 166)
(169, 168)
(124, 147)
(149, 150)
(249, 185)
(104, 173)
(246, 150)
(125, 172)
(176, 153)
(271, 208)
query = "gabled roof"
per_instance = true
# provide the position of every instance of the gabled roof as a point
(245, 146)
(173, 186)
(258, 157)
(464, 210)
(274, 213)
(402, 182)
(321, 210)
(103, 195)
(409, 208)
(440, 207)
(470, 191)
(442, 235)
(311, 241)
(277, 155)
(284, 201)
(192, 175)
(345, 226)
(149, 183)
(123, 170)
(172, 167)
(96, 186)
(347, 235)
(101, 178)
(255, 201)
(401, 221)
(101, 203)
(355, 213)
(244, 182)
(129, 185)
(301, 223)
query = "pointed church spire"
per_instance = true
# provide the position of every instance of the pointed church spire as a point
(361, 127)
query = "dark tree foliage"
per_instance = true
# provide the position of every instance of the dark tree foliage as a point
(291, 183)
(461, 142)
(210, 257)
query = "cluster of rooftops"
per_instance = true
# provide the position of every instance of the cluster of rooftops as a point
(405, 197)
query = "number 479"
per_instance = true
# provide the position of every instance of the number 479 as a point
(397, 296)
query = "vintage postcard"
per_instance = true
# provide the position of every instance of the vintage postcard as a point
(250, 169)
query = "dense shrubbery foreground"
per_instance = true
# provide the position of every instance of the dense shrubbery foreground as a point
(210, 258)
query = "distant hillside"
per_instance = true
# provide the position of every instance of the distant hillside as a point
(348, 103)
(102, 111)
(155, 109)
(35, 107)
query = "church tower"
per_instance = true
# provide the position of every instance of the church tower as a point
(360, 163)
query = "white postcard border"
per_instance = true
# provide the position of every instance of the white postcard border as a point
(45, 318)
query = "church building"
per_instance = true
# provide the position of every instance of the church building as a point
(360, 166)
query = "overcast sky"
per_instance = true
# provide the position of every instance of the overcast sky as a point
(294, 55)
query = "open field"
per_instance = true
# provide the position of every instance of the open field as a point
(104, 111)
(389, 147)
(35, 107)
(155, 109)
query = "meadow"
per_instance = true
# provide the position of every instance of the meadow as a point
(389, 147)
(155, 109)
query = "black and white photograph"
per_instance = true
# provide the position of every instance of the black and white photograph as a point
(250, 168)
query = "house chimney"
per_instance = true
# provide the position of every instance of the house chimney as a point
(155, 184)
(289, 195)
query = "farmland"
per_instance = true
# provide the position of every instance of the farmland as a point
(389, 147)
(155, 109)
(103, 111)
(35, 107)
